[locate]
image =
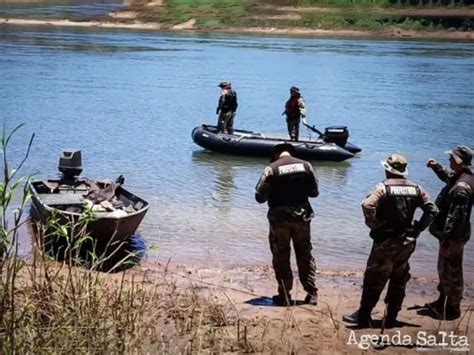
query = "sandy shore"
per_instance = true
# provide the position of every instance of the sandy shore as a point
(302, 328)
(69, 23)
(189, 26)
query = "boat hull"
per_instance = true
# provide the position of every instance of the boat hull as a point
(256, 144)
(104, 229)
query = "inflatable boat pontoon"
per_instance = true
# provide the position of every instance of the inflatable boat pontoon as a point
(332, 145)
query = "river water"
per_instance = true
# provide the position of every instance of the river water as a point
(130, 99)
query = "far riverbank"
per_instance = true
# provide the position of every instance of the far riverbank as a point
(189, 27)
(270, 17)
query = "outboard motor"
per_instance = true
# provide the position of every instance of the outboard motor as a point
(337, 134)
(70, 163)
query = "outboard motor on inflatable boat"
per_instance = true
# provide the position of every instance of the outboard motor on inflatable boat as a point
(70, 163)
(337, 134)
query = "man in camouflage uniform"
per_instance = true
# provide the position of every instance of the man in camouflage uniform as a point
(226, 108)
(295, 109)
(452, 227)
(286, 184)
(389, 210)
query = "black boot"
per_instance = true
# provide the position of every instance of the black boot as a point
(391, 318)
(282, 300)
(351, 318)
(438, 304)
(361, 317)
(311, 298)
(452, 312)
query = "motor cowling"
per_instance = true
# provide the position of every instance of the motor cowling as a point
(336, 134)
(70, 163)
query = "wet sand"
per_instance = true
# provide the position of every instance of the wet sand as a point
(304, 328)
(189, 26)
(69, 23)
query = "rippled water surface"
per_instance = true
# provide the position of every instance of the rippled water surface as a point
(129, 100)
(59, 9)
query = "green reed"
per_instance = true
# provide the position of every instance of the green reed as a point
(73, 307)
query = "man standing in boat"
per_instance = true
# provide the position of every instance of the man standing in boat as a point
(286, 185)
(389, 211)
(452, 227)
(226, 108)
(295, 110)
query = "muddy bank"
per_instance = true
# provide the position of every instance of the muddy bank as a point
(262, 327)
(190, 26)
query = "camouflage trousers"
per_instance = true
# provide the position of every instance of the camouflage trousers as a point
(225, 122)
(451, 281)
(388, 261)
(281, 235)
(293, 128)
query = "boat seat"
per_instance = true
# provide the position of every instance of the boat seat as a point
(61, 199)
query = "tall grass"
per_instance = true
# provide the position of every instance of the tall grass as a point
(56, 307)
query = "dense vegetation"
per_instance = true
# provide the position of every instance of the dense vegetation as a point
(312, 14)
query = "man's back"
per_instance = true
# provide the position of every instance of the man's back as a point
(286, 184)
(293, 182)
(228, 100)
(287, 181)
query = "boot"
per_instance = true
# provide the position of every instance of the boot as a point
(438, 304)
(391, 318)
(452, 312)
(351, 318)
(360, 317)
(282, 300)
(311, 299)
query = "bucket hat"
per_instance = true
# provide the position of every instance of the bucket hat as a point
(461, 154)
(295, 89)
(396, 164)
(224, 83)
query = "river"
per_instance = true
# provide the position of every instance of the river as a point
(130, 99)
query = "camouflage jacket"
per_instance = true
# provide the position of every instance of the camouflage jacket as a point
(390, 207)
(227, 101)
(455, 204)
